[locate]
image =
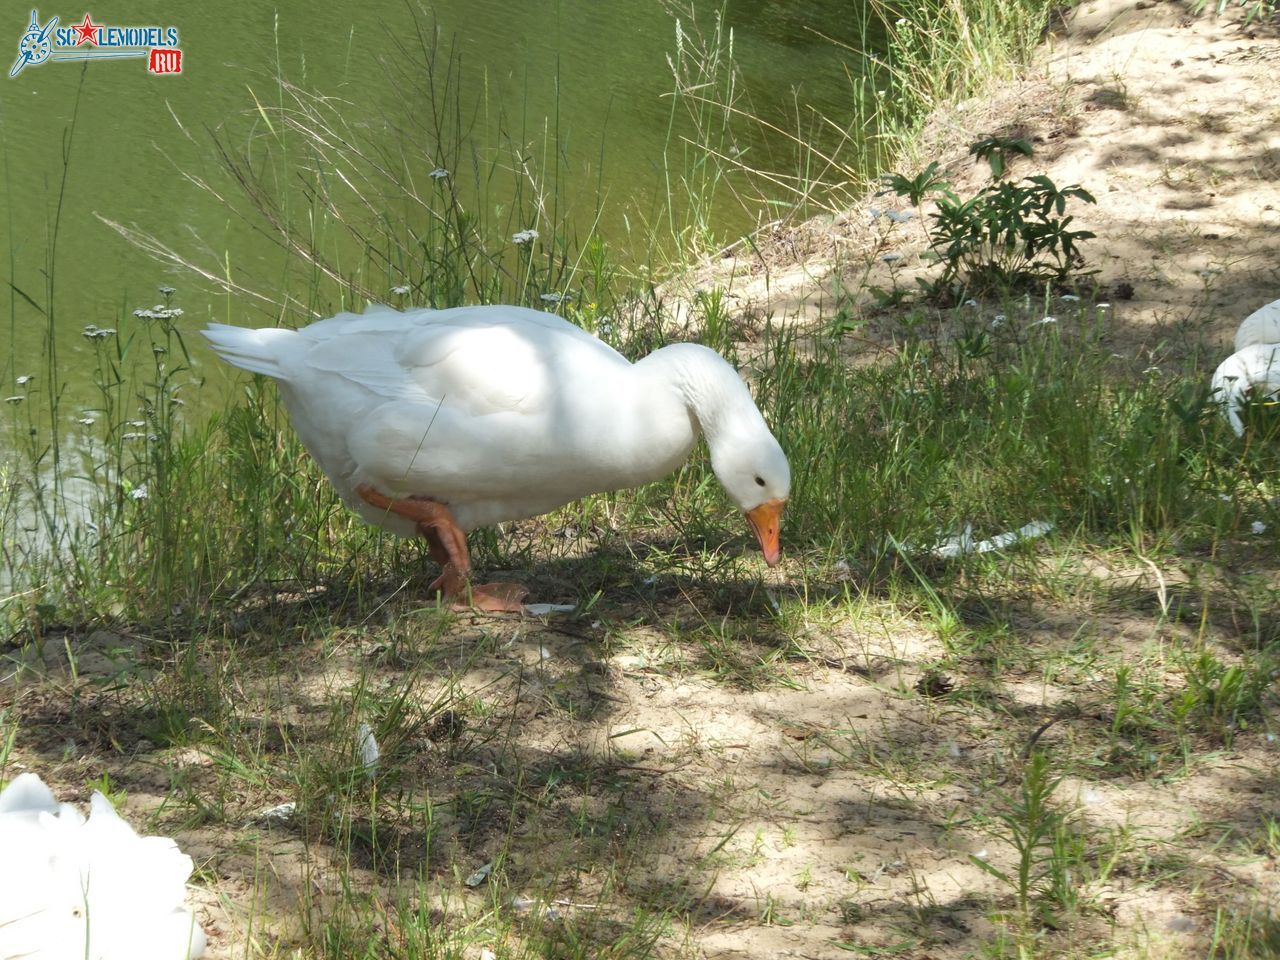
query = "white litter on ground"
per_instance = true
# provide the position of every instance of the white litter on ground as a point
(963, 543)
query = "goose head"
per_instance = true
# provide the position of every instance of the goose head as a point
(754, 472)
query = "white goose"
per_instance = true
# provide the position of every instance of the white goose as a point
(435, 422)
(93, 889)
(1261, 326)
(1255, 365)
(1257, 368)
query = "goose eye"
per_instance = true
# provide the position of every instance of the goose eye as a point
(759, 481)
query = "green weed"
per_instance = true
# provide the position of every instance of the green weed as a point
(1006, 239)
(1043, 842)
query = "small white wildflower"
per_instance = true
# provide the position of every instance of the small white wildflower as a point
(137, 423)
(524, 236)
(1068, 298)
(1258, 527)
(14, 399)
(132, 436)
(139, 492)
(891, 258)
(167, 291)
(1103, 306)
(158, 350)
(400, 290)
(24, 380)
(971, 302)
(159, 312)
(439, 173)
(998, 320)
(367, 746)
(86, 421)
(1045, 320)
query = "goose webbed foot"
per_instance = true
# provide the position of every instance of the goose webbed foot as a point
(447, 543)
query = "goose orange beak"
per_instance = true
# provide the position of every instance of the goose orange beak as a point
(766, 522)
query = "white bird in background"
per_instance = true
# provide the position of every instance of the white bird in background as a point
(435, 422)
(1255, 366)
(1261, 326)
(77, 889)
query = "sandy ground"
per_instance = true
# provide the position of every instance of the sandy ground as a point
(833, 808)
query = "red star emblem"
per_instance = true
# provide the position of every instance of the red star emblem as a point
(88, 30)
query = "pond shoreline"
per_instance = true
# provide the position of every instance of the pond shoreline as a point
(1162, 114)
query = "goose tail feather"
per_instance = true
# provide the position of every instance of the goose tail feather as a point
(258, 351)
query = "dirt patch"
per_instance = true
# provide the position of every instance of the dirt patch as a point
(810, 793)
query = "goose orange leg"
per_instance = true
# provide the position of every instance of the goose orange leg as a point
(447, 544)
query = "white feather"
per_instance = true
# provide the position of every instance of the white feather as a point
(367, 747)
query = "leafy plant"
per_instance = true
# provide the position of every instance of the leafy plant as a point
(1006, 238)
(1222, 696)
(917, 188)
(996, 151)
